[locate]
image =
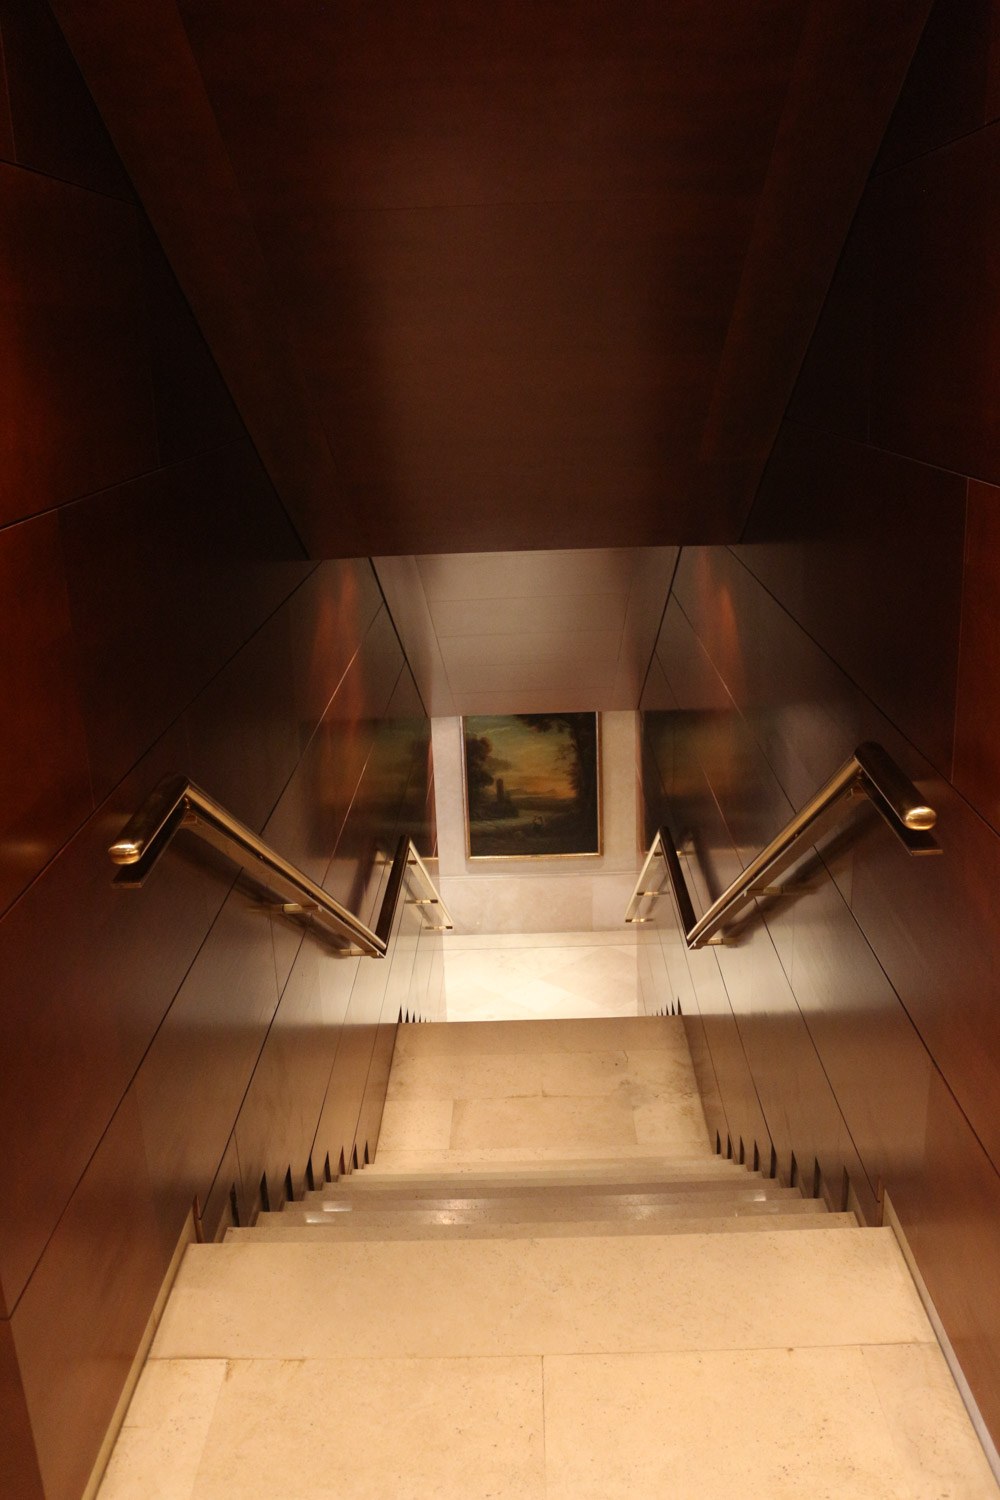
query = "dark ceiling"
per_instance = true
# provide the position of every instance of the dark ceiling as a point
(523, 274)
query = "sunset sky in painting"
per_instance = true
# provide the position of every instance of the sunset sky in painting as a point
(543, 761)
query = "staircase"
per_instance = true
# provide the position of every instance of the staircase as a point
(548, 1285)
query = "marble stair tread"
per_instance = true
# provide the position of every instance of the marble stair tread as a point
(556, 1205)
(619, 1181)
(554, 1198)
(591, 1034)
(601, 1168)
(486, 1297)
(518, 1212)
(372, 1227)
(468, 1187)
(398, 1160)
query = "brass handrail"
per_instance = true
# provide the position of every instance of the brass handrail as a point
(178, 803)
(870, 772)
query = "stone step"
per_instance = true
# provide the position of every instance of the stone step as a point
(467, 1184)
(549, 1202)
(328, 1298)
(591, 1034)
(576, 1168)
(461, 1158)
(372, 1227)
(516, 1210)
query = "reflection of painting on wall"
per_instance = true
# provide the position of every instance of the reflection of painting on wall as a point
(532, 785)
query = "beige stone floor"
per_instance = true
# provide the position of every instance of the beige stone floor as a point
(673, 1366)
(483, 1091)
(525, 976)
(774, 1366)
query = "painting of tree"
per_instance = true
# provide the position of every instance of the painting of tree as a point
(532, 785)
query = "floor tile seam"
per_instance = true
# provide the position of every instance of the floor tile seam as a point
(340, 1359)
(561, 1351)
(780, 1345)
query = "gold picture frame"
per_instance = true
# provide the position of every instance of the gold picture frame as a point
(532, 786)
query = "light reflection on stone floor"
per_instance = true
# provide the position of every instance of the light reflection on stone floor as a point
(536, 975)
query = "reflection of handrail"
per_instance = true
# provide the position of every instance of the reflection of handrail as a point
(871, 772)
(177, 803)
(433, 898)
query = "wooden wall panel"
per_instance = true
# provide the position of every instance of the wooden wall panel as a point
(893, 628)
(76, 421)
(977, 724)
(19, 1474)
(147, 545)
(192, 1080)
(277, 1121)
(863, 999)
(79, 1322)
(44, 767)
(90, 971)
(56, 128)
(6, 124)
(952, 87)
(159, 617)
(194, 410)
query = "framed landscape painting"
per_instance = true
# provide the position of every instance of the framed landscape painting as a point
(532, 785)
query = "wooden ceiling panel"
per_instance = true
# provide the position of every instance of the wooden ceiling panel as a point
(427, 102)
(486, 277)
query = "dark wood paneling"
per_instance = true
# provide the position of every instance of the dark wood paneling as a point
(132, 555)
(977, 726)
(193, 1079)
(308, 821)
(802, 1109)
(194, 410)
(216, 1207)
(828, 507)
(874, 1048)
(43, 752)
(90, 970)
(933, 926)
(833, 390)
(19, 1473)
(331, 617)
(75, 419)
(277, 1122)
(951, 86)
(565, 107)
(6, 125)
(165, 620)
(935, 295)
(243, 730)
(844, 83)
(139, 68)
(951, 1213)
(338, 1122)
(78, 1325)
(515, 259)
(56, 128)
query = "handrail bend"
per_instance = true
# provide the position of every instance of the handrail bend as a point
(178, 803)
(870, 772)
